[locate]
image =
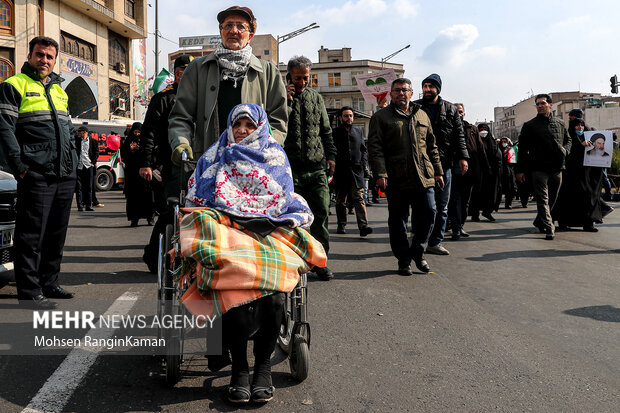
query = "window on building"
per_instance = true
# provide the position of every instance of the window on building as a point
(119, 98)
(358, 103)
(266, 52)
(6, 69)
(337, 103)
(130, 8)
(76, 47)
(353, 74)
(314, 80)
(333, 79)
(6, 17)
(117, 52)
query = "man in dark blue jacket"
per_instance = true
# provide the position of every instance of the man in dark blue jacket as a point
(351, 161)
(38, 141)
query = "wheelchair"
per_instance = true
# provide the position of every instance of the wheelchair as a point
(294, 335)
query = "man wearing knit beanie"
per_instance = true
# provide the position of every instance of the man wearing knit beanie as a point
(450, 136)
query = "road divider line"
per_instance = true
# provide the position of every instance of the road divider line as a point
(59, 387)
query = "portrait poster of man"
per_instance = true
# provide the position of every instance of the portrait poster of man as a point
(599, 153)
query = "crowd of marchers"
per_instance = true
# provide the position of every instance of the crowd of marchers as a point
(231, 111)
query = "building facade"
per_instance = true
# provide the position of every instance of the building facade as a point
(95, 56)
(264, 46)
(600, 112)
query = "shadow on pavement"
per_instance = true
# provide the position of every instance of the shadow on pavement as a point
(597, 312)
(536, 253)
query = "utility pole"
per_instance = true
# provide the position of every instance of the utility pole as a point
(156, 37)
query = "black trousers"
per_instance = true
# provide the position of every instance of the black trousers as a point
(260, 321)
(84, 187)
(43, 208)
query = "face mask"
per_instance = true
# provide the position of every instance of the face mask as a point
(579, 132)
(504, 145)
(484, 133)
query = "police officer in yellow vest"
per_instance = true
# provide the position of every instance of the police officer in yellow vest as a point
(36, 137)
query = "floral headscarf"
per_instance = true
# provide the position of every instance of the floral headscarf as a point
(250, 179)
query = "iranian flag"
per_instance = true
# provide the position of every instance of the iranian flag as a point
(162, 80)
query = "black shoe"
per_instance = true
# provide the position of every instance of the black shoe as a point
(508, 206)
(464, 234)
(375, 201)
(456, 236)
(89, 209)
(404, 269)
(488, 216)
(57, 292)
(262, 394)
(323, 273)
(365, 231)
(351, 212)
(80, 209)
(475, 218)
(133, 224)
(549, 235)
(150, 222)
(422, 265)
(590, 228)
(38, 302)
(340, 230)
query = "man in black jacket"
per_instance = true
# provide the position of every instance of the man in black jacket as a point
(351, 160)
(543, 145)
(450, 136)
(88, 153)
(156, 154)
(39, 143)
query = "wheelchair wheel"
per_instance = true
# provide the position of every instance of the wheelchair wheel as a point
(173, 337)
(299, 359)
(286, 328)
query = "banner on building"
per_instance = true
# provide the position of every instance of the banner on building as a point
(376, 86)
(140, 86)
(78, 67)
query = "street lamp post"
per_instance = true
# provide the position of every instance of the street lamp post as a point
(288, 36)
(388, 57)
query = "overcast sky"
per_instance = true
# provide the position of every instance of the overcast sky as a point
(488, 53)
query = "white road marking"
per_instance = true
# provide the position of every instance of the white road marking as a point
(59, 387)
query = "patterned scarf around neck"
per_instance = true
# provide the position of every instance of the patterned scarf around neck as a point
(233, 63)
(252, 178)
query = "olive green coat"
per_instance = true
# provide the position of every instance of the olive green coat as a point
(402, 148)
(197, 99)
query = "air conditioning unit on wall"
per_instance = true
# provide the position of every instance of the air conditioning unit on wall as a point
(121, 68)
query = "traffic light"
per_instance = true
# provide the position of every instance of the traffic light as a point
(614, 84)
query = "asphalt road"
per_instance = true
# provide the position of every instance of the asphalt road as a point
(508, 322)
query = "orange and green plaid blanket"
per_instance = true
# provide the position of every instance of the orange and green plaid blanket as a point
(227, 265)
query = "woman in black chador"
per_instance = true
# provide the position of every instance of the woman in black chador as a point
(578, 203)
(137, 191)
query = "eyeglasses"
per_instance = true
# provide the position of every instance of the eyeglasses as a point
(540, 103)
(241, 28)
(399, 90)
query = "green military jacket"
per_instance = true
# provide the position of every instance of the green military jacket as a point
(309, 138)
(402, 148)
(197, 99)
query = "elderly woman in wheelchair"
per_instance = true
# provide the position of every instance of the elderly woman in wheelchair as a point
(244, 245)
